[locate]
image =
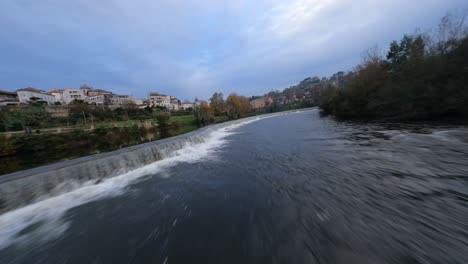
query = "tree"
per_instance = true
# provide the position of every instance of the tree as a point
(163, 119)
(13, 118)
(244, 105)
(79, 110)
(217, 104)
(237, 105)
(419, 79)
(203, 114)
(163, 123)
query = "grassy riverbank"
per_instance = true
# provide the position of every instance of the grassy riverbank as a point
(20, 151)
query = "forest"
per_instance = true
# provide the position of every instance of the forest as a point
(424, 76)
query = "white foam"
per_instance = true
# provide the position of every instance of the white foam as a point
(47, 214)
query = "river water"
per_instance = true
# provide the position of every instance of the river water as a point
(295, 188)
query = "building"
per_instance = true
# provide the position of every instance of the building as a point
(260, 102)
(58, 94)
(111, 100)
(96, 92)
(8, 98)
(186, 105)
(29, 94)
(174, 104)
(70, 95)
(161, 100)
(117, 100)
(96, 100)
(85, 89)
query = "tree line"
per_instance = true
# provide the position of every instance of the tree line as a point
(36, 116)
(235, 106)
(423, 76)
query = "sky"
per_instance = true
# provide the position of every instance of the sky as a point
(194, 48)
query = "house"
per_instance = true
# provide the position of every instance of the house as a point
(162, 100)
(96, 92)
(261, 102)
(8, 98)
(117, 100)
(111, 100)
(258, 103)
(70, 94)
(174, 103)
(58, 94)
(96, 100)
(30, 94)
(186, 105)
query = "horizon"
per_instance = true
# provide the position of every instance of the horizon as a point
(234, 47)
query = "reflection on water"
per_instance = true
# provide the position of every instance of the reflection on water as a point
(290, 189)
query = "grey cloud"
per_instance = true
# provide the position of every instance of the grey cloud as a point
(193, 48)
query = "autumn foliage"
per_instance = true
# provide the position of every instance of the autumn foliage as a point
(237, 105)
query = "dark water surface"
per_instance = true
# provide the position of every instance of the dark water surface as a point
(294, 188)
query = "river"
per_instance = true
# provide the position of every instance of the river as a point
(294, 188)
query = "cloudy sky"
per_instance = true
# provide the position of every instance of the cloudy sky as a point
(193, 48)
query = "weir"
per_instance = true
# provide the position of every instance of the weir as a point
(25, 187)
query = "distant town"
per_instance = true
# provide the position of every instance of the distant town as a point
(87, 94)
(308, 89)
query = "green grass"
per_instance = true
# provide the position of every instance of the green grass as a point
(183, 119)
(183, 130)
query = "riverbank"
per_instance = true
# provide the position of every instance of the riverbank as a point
(20, 151)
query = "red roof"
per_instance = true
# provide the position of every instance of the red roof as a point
(55, 90)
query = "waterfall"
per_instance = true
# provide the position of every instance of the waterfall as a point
(29, 186)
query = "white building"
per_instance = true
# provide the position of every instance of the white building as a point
(58, 94)
(118, 100)
(29, 94)
(69, 95)
(174, 103)
(96, 100)
(111, 100)
(186, 105)
(160, 100)
(8, 98)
